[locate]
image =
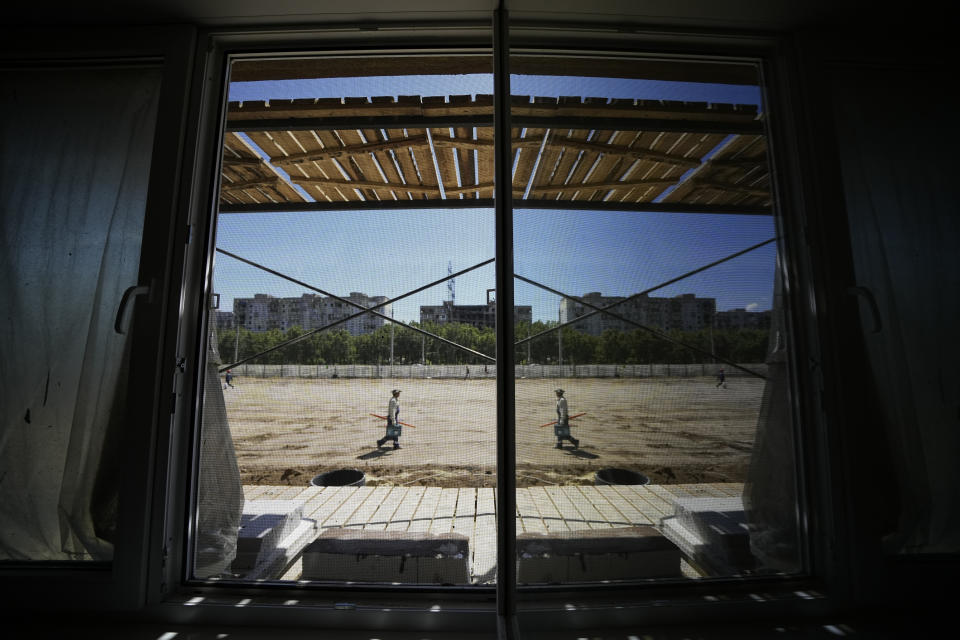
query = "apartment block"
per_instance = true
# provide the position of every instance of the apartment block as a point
(742, 319)
(264, 312)
(686, 312)
(477, 315)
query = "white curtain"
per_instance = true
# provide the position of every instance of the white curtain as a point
(75, 151)
(770, 492)
(898, 139)
(219, 489)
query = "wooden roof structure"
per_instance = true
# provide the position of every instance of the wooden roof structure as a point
(437, 151)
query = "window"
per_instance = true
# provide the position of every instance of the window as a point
(651, 400)
(872, 398)
(432, 186)
(643, 210)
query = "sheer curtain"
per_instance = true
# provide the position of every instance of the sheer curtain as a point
(770, 493)
(75, 150)
(898, 161)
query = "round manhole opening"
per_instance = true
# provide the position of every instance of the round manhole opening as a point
(619, 476)
(339, 478)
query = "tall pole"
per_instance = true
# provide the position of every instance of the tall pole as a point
(236, 345)
(529, 333)
(391, 337)
(560, 338)
(712, 350)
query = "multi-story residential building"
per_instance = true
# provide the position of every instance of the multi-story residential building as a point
(685, 311)
(224, 320)
(263, 312)
(742, 319)
(478, 315)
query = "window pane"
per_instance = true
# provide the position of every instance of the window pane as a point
(362, 442)
(76, 162)
(654, 438)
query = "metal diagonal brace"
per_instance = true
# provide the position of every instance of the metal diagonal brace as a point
(607, 308)
(637, 295)
(658, 334)
(372, 310)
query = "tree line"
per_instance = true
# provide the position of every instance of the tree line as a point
(411, 347)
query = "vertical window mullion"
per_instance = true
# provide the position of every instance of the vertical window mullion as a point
(506, 410)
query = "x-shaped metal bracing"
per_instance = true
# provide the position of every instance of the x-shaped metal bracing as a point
(595, 309)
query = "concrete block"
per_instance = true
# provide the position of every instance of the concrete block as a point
(271, 531)
(442, 570)
(360, 555)
(625, 553)
(546, 569)
(340, 567)
(712, 533)
(718, 521)
(272, 564)
(265, 522)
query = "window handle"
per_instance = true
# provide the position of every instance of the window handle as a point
(867, 295)
(137, 290)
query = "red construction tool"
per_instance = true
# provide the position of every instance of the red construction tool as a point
(385, 417)
(576, 415)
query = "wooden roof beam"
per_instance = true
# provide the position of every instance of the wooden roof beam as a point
(739, 163)
(604, 186)
(365, 184)
(479, 145)
(271, 183)
(629, 152)
(734, 188)
(340, 152)
(677, 125)
(519, 206)
(359, 122)
(231, 161)
(671, 125)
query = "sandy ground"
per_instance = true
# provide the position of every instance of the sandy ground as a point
(673, 430)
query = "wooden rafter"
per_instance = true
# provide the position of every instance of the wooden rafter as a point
(566, 152)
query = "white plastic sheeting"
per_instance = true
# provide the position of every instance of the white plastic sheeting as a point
(770, 497)
(75, 157)
(219, 492)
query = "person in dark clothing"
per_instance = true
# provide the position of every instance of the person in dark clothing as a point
(721, 379)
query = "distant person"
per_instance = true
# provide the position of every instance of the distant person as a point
(467, 374)
(721, 379)
(229, 379)
(561, 428)
(393, 421)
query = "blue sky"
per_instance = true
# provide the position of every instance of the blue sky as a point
(391, 252)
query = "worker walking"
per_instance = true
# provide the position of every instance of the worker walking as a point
(721, 379)
(393, 421)
(562, 427)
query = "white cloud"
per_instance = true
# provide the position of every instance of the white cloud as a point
(752, 306)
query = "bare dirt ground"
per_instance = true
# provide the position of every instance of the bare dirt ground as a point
(673, 430)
